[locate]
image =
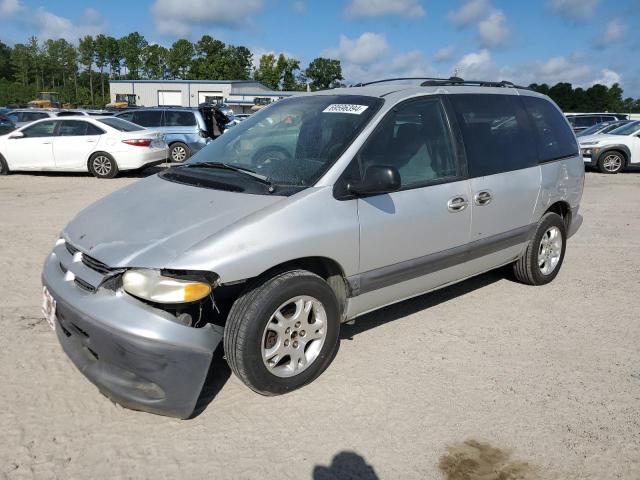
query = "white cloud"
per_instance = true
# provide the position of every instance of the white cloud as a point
(178, 18)
(445, 53)
(360, 51)
(299, 7)
(608, 77)
(491, 22)
(574, 10)
(9, 7)
(378, 8)
(50, 25)
(613, 32)
(470, 12)
(493, 30)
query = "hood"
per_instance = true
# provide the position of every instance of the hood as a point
(600, 138)
(153, 221)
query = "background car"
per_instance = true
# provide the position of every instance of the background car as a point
(613, 151)
(102, 146)
(6, 125)
(604, 127)
(186, 130)
(23, 116)
(582, 121)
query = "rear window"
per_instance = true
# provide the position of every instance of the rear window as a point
(31, 116)
(585, 121)
(148, 118)
(496, 133)
(179, 119)
(120, 124)
(554, 136)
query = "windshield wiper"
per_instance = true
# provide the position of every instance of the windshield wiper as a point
(226, 166)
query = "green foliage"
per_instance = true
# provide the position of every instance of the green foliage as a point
(597, 98)
(130, 48)
(324, 73)
(180, 58)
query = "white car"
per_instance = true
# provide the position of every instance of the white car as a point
(102, 146)
(613, 151)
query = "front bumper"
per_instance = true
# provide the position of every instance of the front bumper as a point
(132, 352)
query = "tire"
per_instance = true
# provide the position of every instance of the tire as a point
(248, 341)
(179, 152)
(103, 165)
(611, 162)
(4, 168)
(528, 269)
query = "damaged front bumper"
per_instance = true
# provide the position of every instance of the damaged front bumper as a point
(134, 353)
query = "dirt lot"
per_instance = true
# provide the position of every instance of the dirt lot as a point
(551, 374)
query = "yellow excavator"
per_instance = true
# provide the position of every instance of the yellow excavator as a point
(123, 100)
(46, 100)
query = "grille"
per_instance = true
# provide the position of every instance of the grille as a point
(84, 285)
(96, 265)
(70, 248)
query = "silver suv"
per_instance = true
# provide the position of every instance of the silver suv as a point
(312, 212)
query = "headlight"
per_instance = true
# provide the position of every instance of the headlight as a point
(586, 152)
(151, 285)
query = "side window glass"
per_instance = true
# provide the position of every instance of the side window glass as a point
(179, 119)
(42, 129)
(496, 134)
(148, 118)
(126, 116)
(415, 138)
(93, 130)
(554, 137)
(72, 128)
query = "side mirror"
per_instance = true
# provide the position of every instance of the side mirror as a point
(377, 179)
(16, 135)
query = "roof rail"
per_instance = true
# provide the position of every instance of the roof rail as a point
(364, 84)
(438, 82)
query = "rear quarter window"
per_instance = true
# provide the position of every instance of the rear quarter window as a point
(496, 133)
(179, 119)
(554, 136)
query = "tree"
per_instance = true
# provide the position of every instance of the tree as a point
(21, 63)
(154, 61)
(87, 50)
(323, 73)
(267, 71)
(130, 48)
(289, 79)
(114, 57)
(101, 55)
(6, 68)
(180, 58)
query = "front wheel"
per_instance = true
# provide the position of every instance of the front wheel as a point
(544, 255)
(4, 168)
(103, 165)
(282, 333)
(611, 162)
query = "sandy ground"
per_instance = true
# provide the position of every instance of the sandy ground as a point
(550, 374)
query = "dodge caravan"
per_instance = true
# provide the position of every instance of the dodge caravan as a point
(312, 212)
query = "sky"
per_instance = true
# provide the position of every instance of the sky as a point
(524, 41)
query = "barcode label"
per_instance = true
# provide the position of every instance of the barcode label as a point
(345, 108)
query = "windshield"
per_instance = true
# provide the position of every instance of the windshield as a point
(294, 141)
(120, 124)
(592, 130)
(628, 129)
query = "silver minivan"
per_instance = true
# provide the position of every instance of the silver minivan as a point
(310, 213)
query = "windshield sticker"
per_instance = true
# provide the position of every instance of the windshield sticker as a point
(345, 108)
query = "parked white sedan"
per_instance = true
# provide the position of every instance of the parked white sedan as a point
(103, 146)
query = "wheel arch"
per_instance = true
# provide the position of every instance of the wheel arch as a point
(562, 208)
(623, 149)
(99, 152)
(325, 267)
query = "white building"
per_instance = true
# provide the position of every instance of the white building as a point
(240, 95)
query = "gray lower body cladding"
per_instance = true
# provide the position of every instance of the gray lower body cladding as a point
(111, 340)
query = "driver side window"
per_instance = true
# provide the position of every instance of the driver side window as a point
(414, 138)
(42, 129)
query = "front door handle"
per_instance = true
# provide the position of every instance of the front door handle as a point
(483, 198)
(457, 204)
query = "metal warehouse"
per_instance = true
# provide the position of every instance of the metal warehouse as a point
(240, 95)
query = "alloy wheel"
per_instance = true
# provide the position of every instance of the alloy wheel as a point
(550, 250)
(102, 165)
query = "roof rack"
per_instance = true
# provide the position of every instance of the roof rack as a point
(437, 82)
(364, 84)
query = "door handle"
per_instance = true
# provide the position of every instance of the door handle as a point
(483, 198)
(46, 143)
(457, 204)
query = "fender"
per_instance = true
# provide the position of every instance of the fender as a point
(617, 146)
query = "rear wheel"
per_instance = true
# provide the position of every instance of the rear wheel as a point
(611, 162)
(544, 255)
(282, 333)
(103, 165)
(179, 152)
(4, 168)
